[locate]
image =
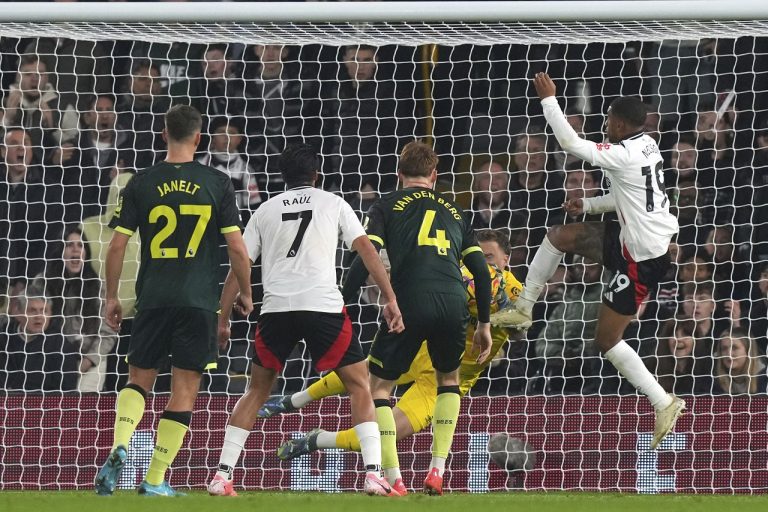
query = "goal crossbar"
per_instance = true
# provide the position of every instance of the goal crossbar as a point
(452, 11)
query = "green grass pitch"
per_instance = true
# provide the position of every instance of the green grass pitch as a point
(74, 501)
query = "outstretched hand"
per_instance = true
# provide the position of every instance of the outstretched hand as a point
(545, 87)
(574, 207)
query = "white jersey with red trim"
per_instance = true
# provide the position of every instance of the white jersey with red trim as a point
(297, 235)
(637, 193)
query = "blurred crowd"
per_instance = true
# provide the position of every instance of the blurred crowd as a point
(78, 118)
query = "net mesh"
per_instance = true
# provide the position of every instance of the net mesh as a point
(82, 110)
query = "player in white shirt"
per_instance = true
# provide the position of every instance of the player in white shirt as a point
(635, 248)
(296, 234)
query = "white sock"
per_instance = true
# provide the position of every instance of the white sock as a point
(542, 267)
(326, 440)
(370, 445)
(234, 441)
(439, 463)
(629, 364)
(392, 475)
(300, 399)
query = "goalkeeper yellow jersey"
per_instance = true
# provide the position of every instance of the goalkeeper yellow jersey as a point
(421, 369)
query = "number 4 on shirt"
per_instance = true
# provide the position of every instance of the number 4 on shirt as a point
(439, 241)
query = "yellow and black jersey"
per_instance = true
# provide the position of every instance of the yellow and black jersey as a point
(180, 211)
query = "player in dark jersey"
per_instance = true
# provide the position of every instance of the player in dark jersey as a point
(180, 209)
(426, 237)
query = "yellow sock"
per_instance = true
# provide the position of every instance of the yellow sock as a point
(347, 440)
(128, 414)
(330, 385)
(388, 431)
(170, 436)
(444, 420)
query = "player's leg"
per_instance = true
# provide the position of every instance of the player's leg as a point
(364, 416)
(391, 356)
(620, 302)
(446, 344)
(329, 385)
(608, 333)
(333, 344)
(149, 347)
(274, 340)
(129, 410)
(584, 238)
(194, 349)
(171, 430)
(239, 428)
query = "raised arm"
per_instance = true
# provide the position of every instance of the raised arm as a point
(609, 156)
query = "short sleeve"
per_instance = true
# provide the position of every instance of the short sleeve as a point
(229, 216)
(125, 220)
(252, 237)
(349, 224)
(373, 222)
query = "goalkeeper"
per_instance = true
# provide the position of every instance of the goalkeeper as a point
(414, 410)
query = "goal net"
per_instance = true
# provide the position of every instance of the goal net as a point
(82, 110)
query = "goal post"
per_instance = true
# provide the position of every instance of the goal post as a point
(358, 80)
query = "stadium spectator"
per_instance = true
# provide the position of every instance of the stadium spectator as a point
(699, 304)
(533, 188)
(32, 356)
(140, 114)
(753, 218)
(718, 164)
(76, 296)
(739, 369)
(756, 312)
(490, 196)
(282, 107)
(665, 305)
(30, 211)
(578, 184)
(694, 269)
(11, 308)
(31, 104)
(96, 235)
(682, 163)
(218, 91)
(683, 361)
(78, 69)
(652, 126)
(680, 78)
(82, 169)
(364, 123)
(174, 61)
(731, 271)
(567, 341)
(227, 156)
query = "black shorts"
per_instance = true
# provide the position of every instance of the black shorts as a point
(187, 335)
(440, 319)
(330, 338)
(633, 281)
